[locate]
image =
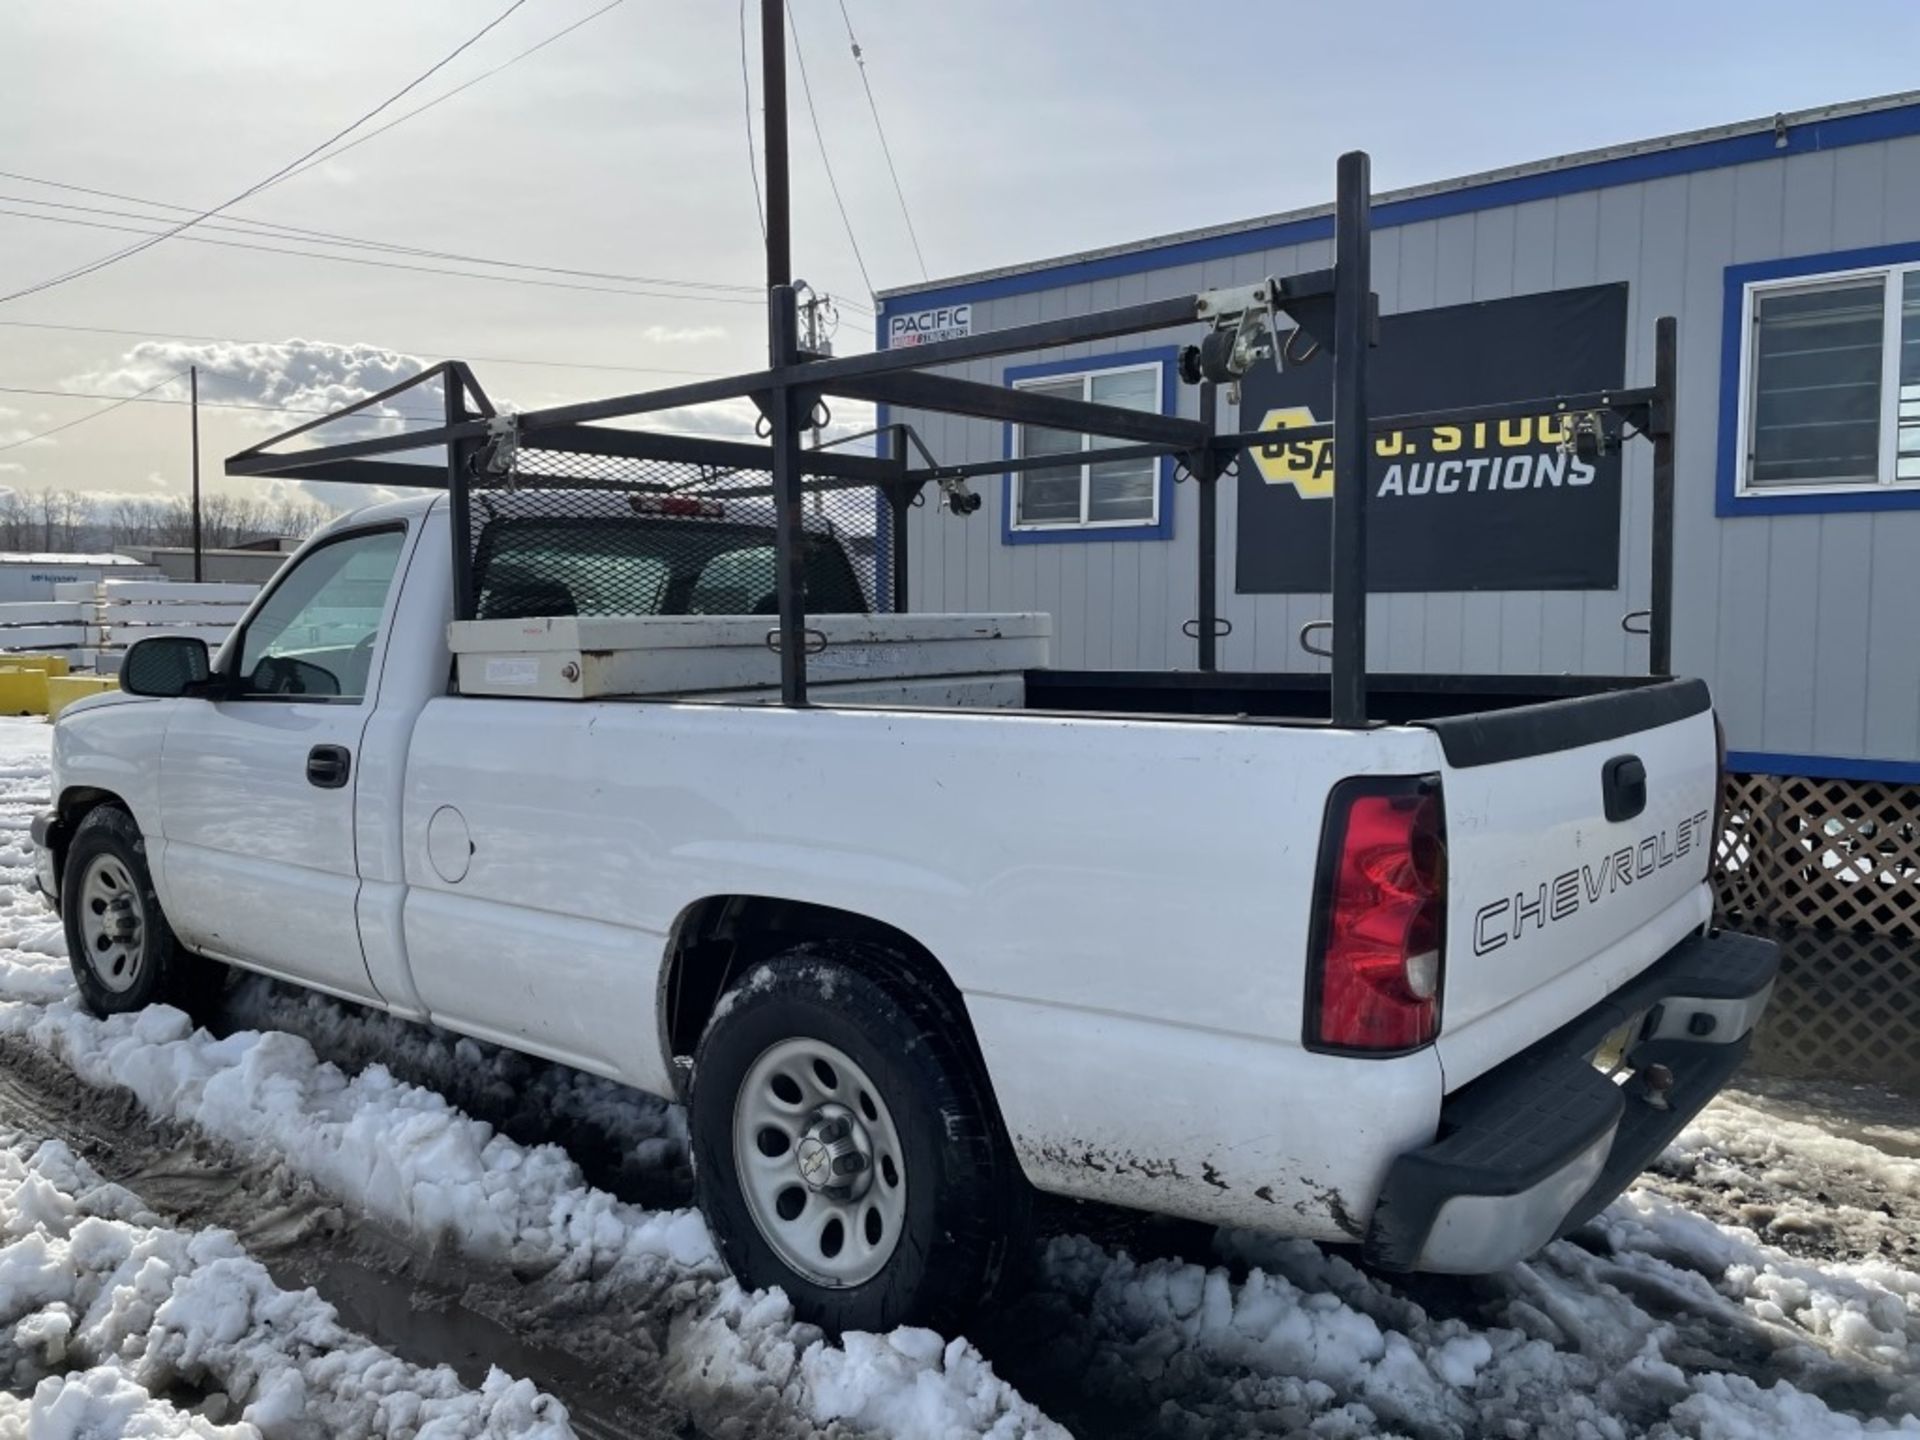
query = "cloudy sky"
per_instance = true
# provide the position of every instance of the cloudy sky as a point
(1020, 130)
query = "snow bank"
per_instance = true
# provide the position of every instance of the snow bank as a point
(101, 1310)
(1661, 1324)
(911, 1384)
(399, 1152)
(642, 1138)
(101, 1403)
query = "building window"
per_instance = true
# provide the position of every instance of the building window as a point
(1084, 496)
(1831, 383)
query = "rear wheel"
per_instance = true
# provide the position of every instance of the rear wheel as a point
(846, 1147)
(122, 949)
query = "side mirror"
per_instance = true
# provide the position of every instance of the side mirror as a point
(166, 666)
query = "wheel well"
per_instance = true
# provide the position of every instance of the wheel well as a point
(718, 938)
(76, 803)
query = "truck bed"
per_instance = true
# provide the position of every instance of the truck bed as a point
(1306, 696)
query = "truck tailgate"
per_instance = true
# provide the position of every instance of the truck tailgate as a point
(1578, 844)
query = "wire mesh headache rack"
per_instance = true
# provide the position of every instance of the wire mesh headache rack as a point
(555, 512)
(559, 532)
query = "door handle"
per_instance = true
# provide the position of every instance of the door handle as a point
(1623, 787)
(328, 766)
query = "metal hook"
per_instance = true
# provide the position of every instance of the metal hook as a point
(1222, 627)
(1286, 350)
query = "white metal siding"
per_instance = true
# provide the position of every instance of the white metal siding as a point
(1805, 625)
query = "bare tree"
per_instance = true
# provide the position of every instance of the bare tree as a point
(133, 521)
(16, 521)
(74, 515)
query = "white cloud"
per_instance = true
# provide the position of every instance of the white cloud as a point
(724, 419)
(683, 334)
(300, 380)
(292, 380)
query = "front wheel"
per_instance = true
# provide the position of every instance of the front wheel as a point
(123, 951)
(846, 1147)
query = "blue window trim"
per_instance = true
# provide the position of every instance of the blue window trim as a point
(1823, 767)
(1804, 139)
(1727, 499)
(1166, 357)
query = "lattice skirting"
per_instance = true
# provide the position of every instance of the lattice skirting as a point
(1846, 1007)
(1833, 855)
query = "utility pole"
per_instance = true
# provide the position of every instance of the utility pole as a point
(193, 383)
(773, 95)
(783, 350)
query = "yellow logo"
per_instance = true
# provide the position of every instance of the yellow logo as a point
(1307, 465)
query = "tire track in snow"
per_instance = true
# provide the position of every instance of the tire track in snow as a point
(111, 1324)
(424, 1309)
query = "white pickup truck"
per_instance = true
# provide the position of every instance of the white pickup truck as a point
(1440, 987)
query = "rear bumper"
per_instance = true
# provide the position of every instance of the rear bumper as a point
(1545, 1141)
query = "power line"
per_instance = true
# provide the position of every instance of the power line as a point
(146, 397)
(374, 134)
(806, 89)
(267, 229)
(885, 149)
(147, 244)
(369, 260)
(426, 352)
(746, 97)
(748, 298)
(90, 415)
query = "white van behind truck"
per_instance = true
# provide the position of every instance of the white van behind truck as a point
(1438, 987)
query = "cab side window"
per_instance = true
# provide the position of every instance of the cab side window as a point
(314, 636)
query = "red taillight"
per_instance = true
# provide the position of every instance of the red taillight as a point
(1382, 920)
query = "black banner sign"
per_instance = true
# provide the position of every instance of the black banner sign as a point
(1486, 505)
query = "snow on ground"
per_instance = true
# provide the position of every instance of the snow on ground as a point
(1761, 1285)
(106, 1316)
(404, 1156)
(633, 1143)
(1811, 1188)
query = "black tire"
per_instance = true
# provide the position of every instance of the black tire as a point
(966, 1204)
(158, 970)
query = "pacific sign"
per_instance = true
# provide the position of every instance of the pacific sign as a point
(923, 327)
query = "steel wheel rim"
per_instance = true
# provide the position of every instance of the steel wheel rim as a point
(831, 1217)
(113, 923)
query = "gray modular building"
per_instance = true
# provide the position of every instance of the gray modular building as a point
(27, 576)
(1789, 251)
